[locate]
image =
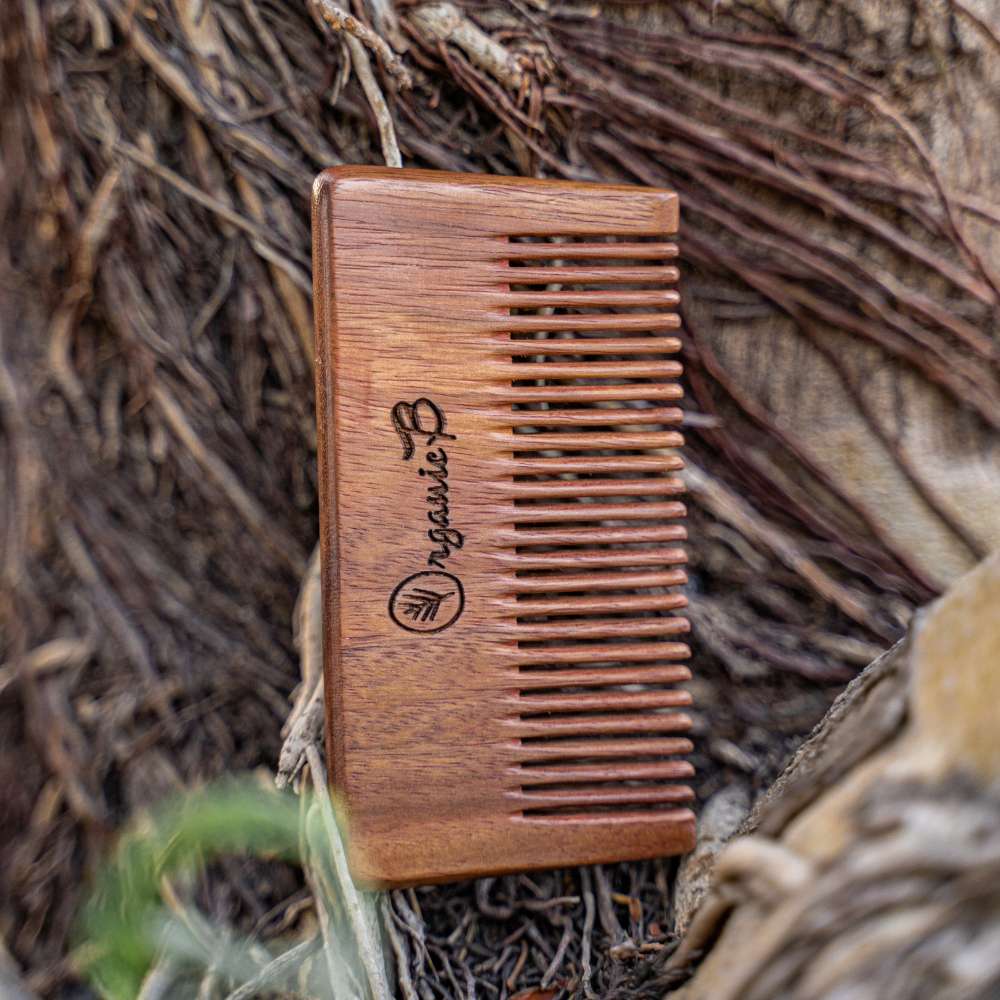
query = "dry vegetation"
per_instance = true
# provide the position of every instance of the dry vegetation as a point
(841, 211)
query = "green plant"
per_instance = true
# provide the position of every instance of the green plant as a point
(128, 932)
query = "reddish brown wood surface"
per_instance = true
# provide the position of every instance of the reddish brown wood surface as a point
(499, 524)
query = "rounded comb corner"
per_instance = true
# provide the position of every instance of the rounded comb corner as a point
(668, 211)
(327, 181)
(322, 187)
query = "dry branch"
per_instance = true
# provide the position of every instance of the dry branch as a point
(338, 19)
(845, 879)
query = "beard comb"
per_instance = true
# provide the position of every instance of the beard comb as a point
(496, 409)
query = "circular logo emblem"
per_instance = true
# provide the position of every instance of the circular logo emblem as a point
(427, 602)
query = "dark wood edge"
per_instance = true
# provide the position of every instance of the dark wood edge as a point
(331, 175)
(323, 368)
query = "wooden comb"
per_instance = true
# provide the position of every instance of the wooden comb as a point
(499, 530)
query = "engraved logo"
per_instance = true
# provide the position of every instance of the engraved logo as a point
(427, 602)
(422, 417)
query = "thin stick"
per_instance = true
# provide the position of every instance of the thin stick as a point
(340, 20)
(386, 129)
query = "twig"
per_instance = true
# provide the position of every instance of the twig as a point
(376, 99)
(586, 934)
(732, 509)
(159, 981)
(340, 20)
(58, 654)
(262, 239)
(445, 22)
(304, 725)
(399, 949)
(278, 541)
(101, 214)
(359, 912)
(560, 955)
(605, 908)
(276, 972)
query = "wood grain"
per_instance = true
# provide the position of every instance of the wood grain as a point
(499, 534)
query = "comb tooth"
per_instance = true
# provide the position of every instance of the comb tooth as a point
(601, 795)
(588, 321)
(622, 816)
(558, 774)
(594, 369)
(601, 701)
(535, 680)
(612, 724)
(651, 297)
(584, 463)
(638, 652)
(611, 628)
(569, 749)
(574, 251)
(602, 535)
(592, 393)
(589, 345)
(594, 441)
(600, 416)
(571, 671)
(570, 274)
(555, 512)
(615, 558)
(555, 489)
(597, 604)
(599, 581)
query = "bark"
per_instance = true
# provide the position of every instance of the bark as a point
(870, 868)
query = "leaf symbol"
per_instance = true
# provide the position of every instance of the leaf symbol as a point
(423, 605)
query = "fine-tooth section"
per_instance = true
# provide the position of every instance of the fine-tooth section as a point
(582, 375)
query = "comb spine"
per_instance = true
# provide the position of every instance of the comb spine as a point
(324, 368)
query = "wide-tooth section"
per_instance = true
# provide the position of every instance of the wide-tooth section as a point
(585, 465)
